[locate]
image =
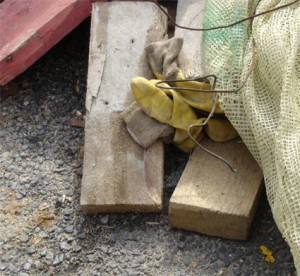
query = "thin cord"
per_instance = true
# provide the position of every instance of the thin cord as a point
(215, 79)
(202, 125)
(209, 151)
(223, 26)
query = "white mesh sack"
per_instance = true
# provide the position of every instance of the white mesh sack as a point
(266, 111)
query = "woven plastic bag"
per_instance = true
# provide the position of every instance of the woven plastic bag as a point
(266, 111)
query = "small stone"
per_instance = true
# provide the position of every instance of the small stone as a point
(68, 212)
(27, 266)
(24, 238)
(136, 252)
(69, 229)
(19, 195)
(3, 266)
(181, 245)
(141, 259)
(113, 265)
(135, 265)
(91, 258)
(70, 239)
(187, 260)
(38, 264)
(81, 235)
(77, 249)
(157, 257)
(58, 259)
(37, 230)
(31, 251)
(104, 220)
(24, 178)
(49, 255)
(59, 163)
(157, 265)
(104, 249)
(11, 267)
(58, 203)
(23, 274)
(22, 192)
(12, 235)
(8, 175)
(43, 253)
(83, 274)
(123, 251)
(52, 229)
(7, 246)
(68, 255)
(65, 246)
(59, 230)
(26, 103)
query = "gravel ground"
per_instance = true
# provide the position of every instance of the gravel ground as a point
(44, 232)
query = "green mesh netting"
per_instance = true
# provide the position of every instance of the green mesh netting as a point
(266, 112)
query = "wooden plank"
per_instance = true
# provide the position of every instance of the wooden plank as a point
(209, 198)
(30, 28)
(118, 174)
(191, 58)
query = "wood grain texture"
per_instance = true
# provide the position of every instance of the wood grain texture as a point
(191, 58)
(209, 198)
(118, 174)
(30, 28)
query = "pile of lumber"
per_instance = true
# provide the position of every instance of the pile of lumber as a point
(121, 176)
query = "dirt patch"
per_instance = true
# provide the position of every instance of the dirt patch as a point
(18, 216)
(44, 219)
(11, 211)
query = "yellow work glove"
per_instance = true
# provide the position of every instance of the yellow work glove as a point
(162, 57)
(200, 100)
(220, 130)
(177, 108)
(168, 107)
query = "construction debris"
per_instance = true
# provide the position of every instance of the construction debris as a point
(30, 28)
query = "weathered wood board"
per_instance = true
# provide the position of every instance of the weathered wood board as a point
(30, 28)
(191, 58)
(118, 174)
(209, 198)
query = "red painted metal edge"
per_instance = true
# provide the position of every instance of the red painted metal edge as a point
(30, 28)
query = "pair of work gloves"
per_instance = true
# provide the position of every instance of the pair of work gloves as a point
(173, 111)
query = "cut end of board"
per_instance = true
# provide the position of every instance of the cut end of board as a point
(211, 199)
